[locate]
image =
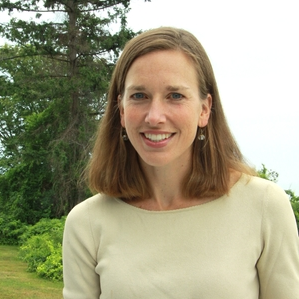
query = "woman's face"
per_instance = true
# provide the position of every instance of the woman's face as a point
(161, 108)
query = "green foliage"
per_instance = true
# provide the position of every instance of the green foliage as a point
(50, 227)
(10, 230)
(41, 248)
(21, 183)
(52, 267)
(295, 205)
(35, 251)
(54, 79)
(267, 174)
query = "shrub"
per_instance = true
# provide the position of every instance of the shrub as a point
(52, 267)
(10, 230)
(41, 248)
(35, 251)
(53, 227)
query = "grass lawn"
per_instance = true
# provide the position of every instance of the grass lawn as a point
(16, 283)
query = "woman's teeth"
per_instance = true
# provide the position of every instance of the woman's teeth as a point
(157, 137)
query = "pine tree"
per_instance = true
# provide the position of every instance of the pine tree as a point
(54, 78)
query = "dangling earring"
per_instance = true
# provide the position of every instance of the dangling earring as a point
(201, 136)
(124, 135)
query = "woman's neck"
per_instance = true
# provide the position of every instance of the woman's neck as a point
(166, 185)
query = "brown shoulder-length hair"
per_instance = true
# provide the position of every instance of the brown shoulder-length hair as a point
(114, 167)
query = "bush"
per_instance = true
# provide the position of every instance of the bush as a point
(35, 251)
(41, 248)
(10, 230)
(52, 267)
(52, 227)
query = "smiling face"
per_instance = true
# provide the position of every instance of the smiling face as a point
(161, 108)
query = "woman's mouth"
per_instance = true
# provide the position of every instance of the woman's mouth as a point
(157, 137)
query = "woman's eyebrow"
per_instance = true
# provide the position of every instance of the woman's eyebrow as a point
(176, 87)
(168, 87)
(136, 87)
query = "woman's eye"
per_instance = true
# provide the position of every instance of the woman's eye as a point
(138, 96)
(176, 96)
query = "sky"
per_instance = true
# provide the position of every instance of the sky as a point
(254, 49)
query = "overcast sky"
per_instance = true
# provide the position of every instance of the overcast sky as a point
(254, 49)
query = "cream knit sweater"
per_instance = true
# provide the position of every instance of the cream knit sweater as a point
(240, 246)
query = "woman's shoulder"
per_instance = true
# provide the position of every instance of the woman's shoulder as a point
(260, 190)
(260, 185)
(95, 205)
(262, 199)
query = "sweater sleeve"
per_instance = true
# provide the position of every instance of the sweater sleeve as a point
(79, 256)
(278, 266)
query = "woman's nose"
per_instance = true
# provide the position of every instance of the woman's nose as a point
(156, 112)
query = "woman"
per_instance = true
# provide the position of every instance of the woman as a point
(177, 212)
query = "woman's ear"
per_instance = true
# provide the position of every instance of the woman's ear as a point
(205, 111)
(121, 110)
